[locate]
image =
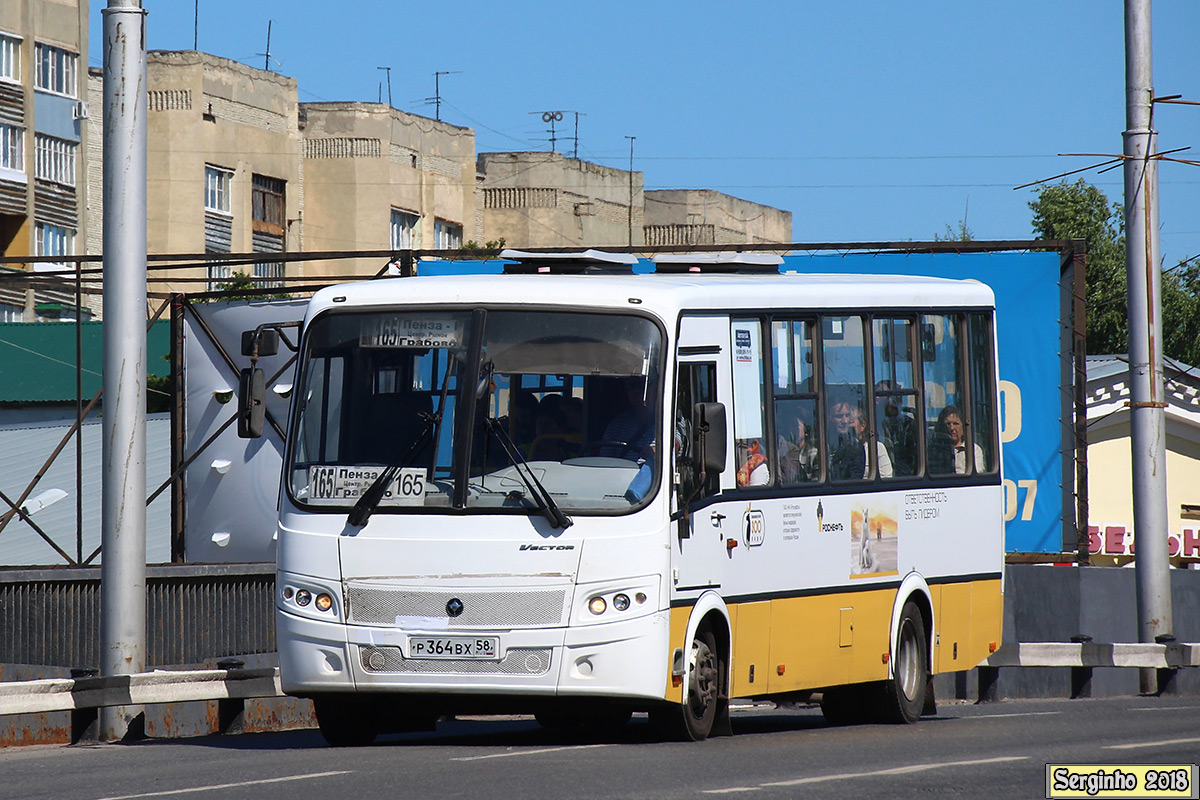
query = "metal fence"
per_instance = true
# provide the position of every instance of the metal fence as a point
(194, 613)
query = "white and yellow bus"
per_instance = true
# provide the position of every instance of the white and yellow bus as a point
(580, 492)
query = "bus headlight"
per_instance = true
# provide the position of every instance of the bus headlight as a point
(621, 602)
(303, 597)
(324, 602)
(597, 605)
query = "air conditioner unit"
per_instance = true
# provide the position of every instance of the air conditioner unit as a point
(82, 110)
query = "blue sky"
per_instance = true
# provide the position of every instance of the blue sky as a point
(867, 120)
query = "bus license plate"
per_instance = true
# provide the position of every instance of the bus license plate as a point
(483, 647)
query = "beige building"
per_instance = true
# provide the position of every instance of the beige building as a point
(44, 128)
(703, 216)
(377, 178)
(1110, 481)
(546, 200)
(223, 165)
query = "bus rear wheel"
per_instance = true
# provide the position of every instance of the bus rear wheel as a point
(904, 692)
(346, 721)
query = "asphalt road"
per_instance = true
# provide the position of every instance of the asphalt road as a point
(994, 750)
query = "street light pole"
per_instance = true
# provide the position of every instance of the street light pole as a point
(123, 542)
(1147, 398)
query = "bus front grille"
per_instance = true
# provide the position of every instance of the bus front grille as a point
(517, 661)
(369, 605)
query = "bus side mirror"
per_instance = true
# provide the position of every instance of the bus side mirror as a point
(267, 342)
(708, 420)
(252, 393)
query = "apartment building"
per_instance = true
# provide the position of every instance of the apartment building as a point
(44, 127)
(377, 178)
(707, 217)
(546, 200)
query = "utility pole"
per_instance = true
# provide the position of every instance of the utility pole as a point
(437, 91)
(631, 138)
(123, 537)
(1147, 398)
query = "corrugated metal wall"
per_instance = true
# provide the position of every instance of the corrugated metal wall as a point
(51, 617)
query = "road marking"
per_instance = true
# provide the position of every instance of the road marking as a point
(218, 786)
(893, 771)
(1022, 714)
(1162, 743)
(1168, 708)
(529, 752)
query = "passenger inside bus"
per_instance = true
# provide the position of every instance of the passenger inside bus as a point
(897, 429)
(849, 460)
(752, 463)
(799, 460)
(951, 420)
(630, 434)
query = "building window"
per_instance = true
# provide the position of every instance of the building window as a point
(55, 159)
(55, 70)
(268, 202)
(12, 147)
(447, 235)
(405, 230)
(10, 58)
(52, 241)
(216, 189)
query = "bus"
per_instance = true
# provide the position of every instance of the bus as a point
(581, 492)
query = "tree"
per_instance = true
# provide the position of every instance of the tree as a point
(1081, 211)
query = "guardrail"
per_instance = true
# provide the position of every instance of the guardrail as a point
(1083, 657)
(84, 696)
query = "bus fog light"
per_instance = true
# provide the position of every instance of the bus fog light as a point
(597, 605)
(621, 602)
(324, 602)
(288, 592)
(640, 597)
(303, 597)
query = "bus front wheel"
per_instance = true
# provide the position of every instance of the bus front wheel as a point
(346, 721)
(904, 692)
(693, 720)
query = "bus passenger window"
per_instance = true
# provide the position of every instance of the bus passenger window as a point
(851, 458)
(799, 459)
(749, 417)
(895, 394)
(941, 354)
(983, 409)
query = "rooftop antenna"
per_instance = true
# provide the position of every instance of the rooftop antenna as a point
(631, 140)
(267, 57)
(437, 91)
(577, 114)
(388, 71)
(552, 117)
(196, 28)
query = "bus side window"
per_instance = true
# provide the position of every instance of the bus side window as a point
(983, 393)
(750, 440)
(895, 394)
(848, 437)
(797, 451)
(945, 416)
(696, 383)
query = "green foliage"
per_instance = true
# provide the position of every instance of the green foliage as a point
(493, 244)
(1081, 211)
(962, 234)
(246, 287)
(158, 393)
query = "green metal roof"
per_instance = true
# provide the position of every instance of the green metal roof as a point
(37, 359)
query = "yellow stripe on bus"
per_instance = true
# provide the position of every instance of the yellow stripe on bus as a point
(803, 643)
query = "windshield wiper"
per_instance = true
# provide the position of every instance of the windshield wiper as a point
(369, 501)
(537, 491)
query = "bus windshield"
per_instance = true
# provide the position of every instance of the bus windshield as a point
(561, 403)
